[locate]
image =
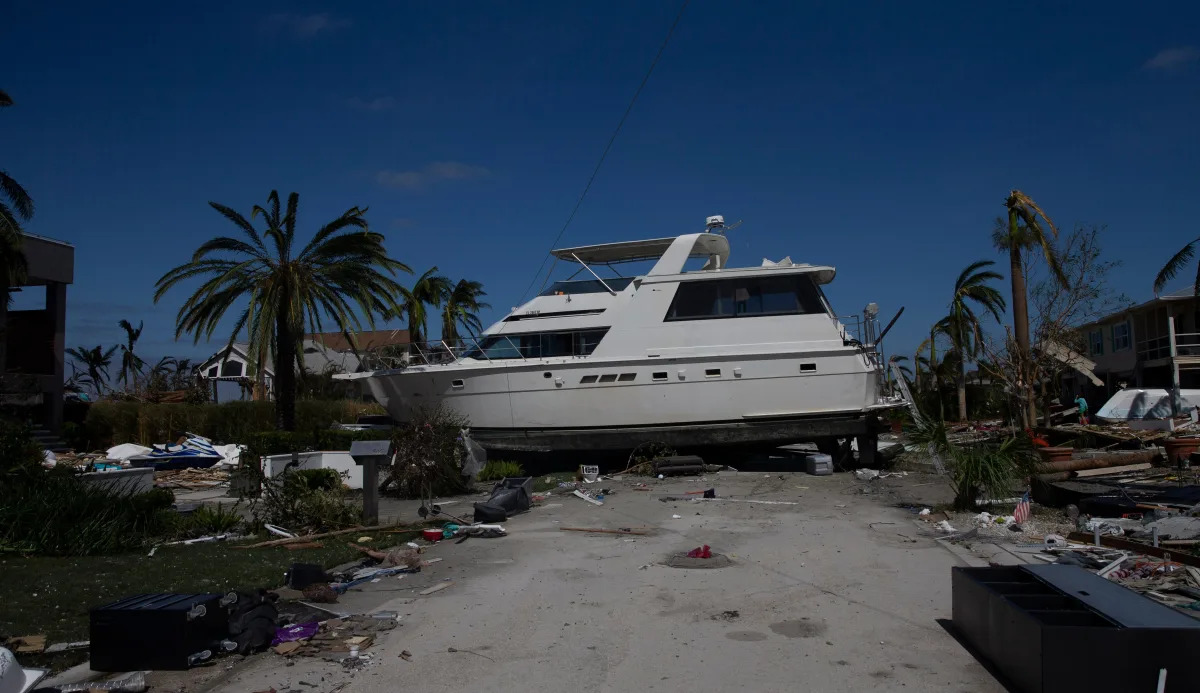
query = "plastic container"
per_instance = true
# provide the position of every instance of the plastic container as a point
(818, 464)
(432, 534)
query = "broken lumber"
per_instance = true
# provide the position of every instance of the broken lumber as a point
(603, 531)
(1112, 470)
(1101, 461)
(1137, 547)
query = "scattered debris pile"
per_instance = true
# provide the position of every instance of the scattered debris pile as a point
(336, 639)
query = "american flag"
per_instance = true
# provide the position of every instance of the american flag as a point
(1021, 513)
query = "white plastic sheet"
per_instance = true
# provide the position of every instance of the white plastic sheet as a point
(126, 450)
(476, 456)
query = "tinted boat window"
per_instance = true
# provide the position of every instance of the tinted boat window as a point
(586, 286)
(745, 297)
(532, 345)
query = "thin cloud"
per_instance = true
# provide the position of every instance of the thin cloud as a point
(383, 103)
(303, 26)
(436, 172)
(1172, 58)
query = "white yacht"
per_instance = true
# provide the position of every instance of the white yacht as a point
(712, 356)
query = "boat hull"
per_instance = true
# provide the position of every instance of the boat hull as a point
(618, 404)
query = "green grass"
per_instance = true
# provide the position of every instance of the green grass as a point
(52, 595)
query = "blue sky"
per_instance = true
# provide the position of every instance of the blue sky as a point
(872, 136)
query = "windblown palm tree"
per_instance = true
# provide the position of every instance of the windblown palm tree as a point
(159, 375)
(1022, 231)
(16, 206)
(1177, 262)
(131, 363)
(182, 377)
(95, 361)
(462, 308)
(285, 291)
(963, 326)
(430, 290)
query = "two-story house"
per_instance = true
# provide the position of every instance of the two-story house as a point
(1141, 346)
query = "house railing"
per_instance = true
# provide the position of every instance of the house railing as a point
(1186, 344)
(1151, 349)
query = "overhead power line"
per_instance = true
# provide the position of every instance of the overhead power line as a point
(607, 147)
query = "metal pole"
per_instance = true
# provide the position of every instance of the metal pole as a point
(1174, 366)
(589, 269)
(370, 492)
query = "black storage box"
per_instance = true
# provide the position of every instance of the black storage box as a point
(1062, 628)
(156, 631)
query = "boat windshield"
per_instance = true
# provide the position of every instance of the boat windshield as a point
(586, 286)
(530, 345)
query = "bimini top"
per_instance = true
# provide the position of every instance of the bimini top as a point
(713, 246)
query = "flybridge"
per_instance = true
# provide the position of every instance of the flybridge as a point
(671, 253)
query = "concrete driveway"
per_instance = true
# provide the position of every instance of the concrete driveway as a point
(838, 592)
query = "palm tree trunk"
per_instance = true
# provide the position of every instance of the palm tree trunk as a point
(285, 374)
(937, 381)
(962, 389)
(1020, 308)
(3, 333)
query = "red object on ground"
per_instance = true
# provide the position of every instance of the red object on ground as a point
(700, 552)
(432, 534)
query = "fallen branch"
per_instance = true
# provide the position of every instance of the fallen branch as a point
(310, 537)
(603, 531)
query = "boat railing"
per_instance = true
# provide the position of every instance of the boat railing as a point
(431, 353)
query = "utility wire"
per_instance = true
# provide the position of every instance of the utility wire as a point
(607, 147)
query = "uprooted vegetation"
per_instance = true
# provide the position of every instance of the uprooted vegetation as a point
(429, 456)
(990, 467)
(304, 501)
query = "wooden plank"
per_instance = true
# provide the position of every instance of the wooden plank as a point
(1136, 547)
(1113, 470)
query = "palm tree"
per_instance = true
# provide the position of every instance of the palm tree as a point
(16, 206)
(1174, 265)
(283, 291)
(962, 325)
(95, 361)
(1022, 232)
(131, 363)
(462, 308)
(159, 375)
(181, 376)
(430, 289)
